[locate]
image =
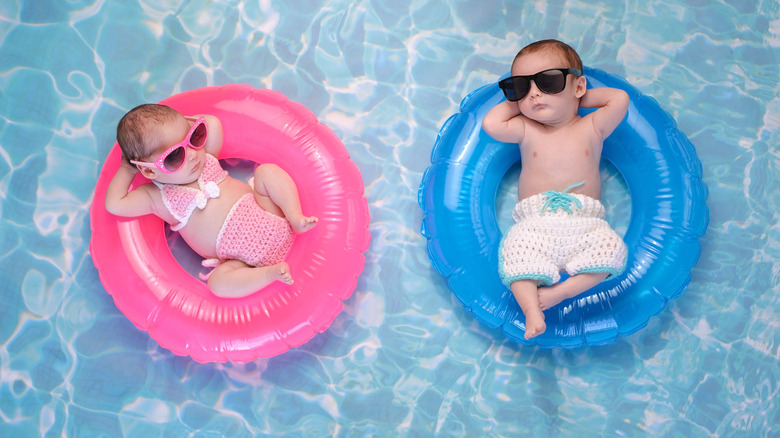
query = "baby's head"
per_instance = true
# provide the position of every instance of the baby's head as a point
(546, 82)
(138, 131)
(563, 51)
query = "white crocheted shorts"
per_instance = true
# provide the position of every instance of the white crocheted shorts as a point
(569, 235)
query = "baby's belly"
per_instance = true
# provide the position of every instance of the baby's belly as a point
(534, 184)
(204, 225)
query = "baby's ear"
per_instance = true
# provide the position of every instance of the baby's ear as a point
(147, 172)
(580, 86)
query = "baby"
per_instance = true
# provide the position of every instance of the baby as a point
(559, 220)
(244, 231)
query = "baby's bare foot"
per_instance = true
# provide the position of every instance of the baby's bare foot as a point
(534, 324)
(551, 296)
(304, 224)
(282, 273)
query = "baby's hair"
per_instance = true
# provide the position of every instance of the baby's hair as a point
(136, 131)
(563, 49)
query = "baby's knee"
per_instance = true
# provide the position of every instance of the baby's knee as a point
(220, 280)
(267, 175)
(218, 286)
(267, 170)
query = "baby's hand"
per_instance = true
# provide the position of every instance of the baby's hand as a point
(128, 165)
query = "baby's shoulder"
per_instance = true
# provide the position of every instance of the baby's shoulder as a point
(152, 190)
(586, 126)
(157, 200)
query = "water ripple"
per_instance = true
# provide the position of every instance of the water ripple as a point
(404, 356)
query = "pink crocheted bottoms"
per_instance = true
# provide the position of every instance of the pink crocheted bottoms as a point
(253, 235)
(543, 242)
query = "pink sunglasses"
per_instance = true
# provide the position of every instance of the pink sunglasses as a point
(172, 159)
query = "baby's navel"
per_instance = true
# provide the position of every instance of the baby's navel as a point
(534, 154)
(587, 153)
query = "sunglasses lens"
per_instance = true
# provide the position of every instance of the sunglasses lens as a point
(551, 81)
(175, 159)
(198, 138)
(515, 88)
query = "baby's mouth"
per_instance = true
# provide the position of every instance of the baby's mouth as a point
(197, 167)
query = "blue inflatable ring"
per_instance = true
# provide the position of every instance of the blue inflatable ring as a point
(668, 216)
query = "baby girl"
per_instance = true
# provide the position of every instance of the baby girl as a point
(243, 231)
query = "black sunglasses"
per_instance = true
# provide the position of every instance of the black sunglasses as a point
(551, 81)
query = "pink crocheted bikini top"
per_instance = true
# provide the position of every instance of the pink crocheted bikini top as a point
(181, 201)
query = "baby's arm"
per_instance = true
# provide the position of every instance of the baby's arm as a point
(612, 104)
(123, 203)
(505, 123)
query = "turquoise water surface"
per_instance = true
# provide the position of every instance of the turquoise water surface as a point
(403, 358)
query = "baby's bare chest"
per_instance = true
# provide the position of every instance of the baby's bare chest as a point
(555, 161)
(560, 151)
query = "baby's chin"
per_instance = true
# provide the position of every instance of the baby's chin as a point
(548, 116)
(194, 173)
(183, 177)
(540, 116)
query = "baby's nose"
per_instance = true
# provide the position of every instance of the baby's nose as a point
(533, 90)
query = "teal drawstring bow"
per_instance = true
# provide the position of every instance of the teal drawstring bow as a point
(561, 200)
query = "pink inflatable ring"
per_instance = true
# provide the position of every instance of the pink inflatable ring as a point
(157, 294)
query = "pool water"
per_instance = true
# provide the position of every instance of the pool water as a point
(404, 357)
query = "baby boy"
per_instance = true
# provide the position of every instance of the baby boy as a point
(559, 220)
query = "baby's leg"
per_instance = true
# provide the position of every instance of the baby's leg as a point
(236, 279)
(275, 191)
(526, 295)
(569, 288)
